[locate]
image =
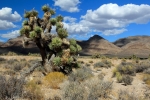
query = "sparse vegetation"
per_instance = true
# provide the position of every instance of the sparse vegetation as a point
(53, 79)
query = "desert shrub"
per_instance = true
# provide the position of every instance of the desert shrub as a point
(98, 89)
(87, 65)
(55, 98)
(11, 87)
(140, 67)
(100, 65)
(2, 59)
(103, 63)
(147, 93)
(96, 55)
(74, 91)
(101, 76)
(91, 61)
(80, 74)
(119, 77)
(11, 61)
(127, 80)
(147, 71)
(146, 79)
(33, 91)
(53, 79)
(126, 95)
(128, 69)
(11, 54)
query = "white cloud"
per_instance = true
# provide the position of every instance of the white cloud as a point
(9, 35)
(7, 17)
(111, 19)
(69, 19)
(6, 14)
(114, 31)
(6, 25)
(68, 5)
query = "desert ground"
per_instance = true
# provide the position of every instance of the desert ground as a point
(96, 79)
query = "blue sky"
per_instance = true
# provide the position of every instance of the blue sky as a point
(111, 19)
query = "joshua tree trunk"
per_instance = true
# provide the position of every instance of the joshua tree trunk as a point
(42, 52)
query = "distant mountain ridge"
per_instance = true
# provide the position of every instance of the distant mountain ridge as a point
(124, 47)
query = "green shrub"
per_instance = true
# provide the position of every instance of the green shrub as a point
(10, 87)
(126, 69)
(80, 74)
(126, 95)
(74, 91)
(98, 89)
(127, 79)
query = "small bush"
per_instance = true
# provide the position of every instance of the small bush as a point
(74, 91)
(126, 69)
(33, 91)
(91, 61)
(126, 95)
(11, 87)
(146, 79)
(80, 74)
(147, 71)
(98, 89)
(53, 79)
(140, 67)
(103, 63)
(127, 79)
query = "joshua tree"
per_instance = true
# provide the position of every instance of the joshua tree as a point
(39, 30)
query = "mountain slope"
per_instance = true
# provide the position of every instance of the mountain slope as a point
(97, 44)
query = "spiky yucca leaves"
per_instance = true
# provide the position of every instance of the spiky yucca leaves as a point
(33, 34)
(27, 14)
(56, 43)
(34, 13)
(59, 18)
(62, 33)
(73, 42)
(25, 22)
(53, 21)
(52, 12)
(45, 8)
(25, 30)
(78, 47)
(31, 13)
(56, 61)
(73, 49)
(38, 30)
(59, 25)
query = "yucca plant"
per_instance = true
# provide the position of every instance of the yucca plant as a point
(56, 43)
(73, 42)
(45, 8)
(57, 61)
(52, 11)
(38, 30)
(33, 34)
(27, 14)
(33, 13)
(59, 18)
(53, 21)
(25, 22)
(73, 49)
(62, 33)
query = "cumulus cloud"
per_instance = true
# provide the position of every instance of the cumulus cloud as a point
(68, 5)
(6, 14)
(9, 35)
(7, 17)
(6, 25)
(110, 19)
